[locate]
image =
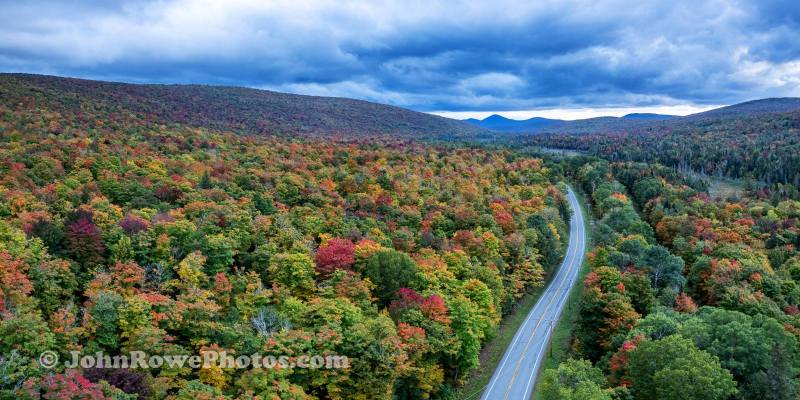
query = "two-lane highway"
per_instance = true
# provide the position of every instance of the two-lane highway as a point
(515, 375)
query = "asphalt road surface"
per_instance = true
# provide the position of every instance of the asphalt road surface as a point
(515, 376)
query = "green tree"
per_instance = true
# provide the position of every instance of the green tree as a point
(219, 250)
(294, 271)
(271, 383)
(546, 242)
(105, 314)
(665, 269)
(264, 205)
(761, 355)
(54, 284)
(288, 190)
(25, 332)
(574, 380)
(390, 270)
(205, 181)
(646, 189)
(470, 329)
(673, 368)
(122, 251)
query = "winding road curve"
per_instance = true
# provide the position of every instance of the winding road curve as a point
(515, 375)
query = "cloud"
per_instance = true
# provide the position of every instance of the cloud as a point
(492, 83)
(426, 55)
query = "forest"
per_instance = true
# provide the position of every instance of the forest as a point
(758, 141)
(120, 233)
(232, 109)
(695, 299)
(125, 228)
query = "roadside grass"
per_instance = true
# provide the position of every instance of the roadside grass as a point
(559, 348)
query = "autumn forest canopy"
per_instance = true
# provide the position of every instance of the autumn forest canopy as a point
(178, 220)
(121, 232)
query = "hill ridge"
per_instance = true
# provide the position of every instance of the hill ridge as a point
(235, 108)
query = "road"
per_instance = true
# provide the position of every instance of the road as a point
(515, 376)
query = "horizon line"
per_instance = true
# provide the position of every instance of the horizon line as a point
(579, 113)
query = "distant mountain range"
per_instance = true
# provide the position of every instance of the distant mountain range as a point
(747, 113)
(641, 122)
(499, 123)
(236, 109)
(502, 124)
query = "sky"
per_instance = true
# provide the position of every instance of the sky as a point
(564, 59)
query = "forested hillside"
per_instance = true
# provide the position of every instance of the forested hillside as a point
(236, 109)
(166, 219)
(759, 140)
(119, 233)
(696, 299)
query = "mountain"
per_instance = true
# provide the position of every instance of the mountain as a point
(647, 116)
(753, 107)
(237, 109)
(499, 123)
(757, 140)
(746, 114)
(502, 124)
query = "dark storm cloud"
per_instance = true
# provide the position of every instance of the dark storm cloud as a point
(425, 55)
